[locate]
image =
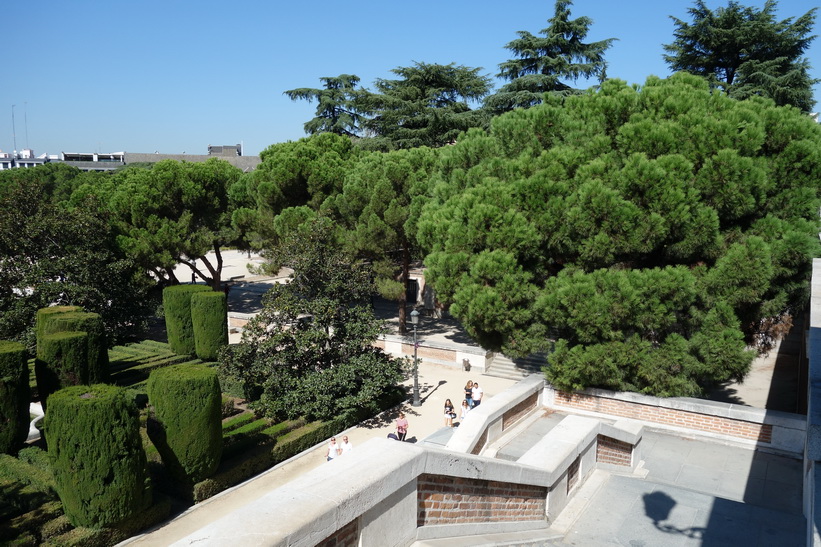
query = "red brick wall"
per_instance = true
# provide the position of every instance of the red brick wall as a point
(609, 450)
(424, 352)
(516, 413)
(347, 536)
(669, 416)
(453, 500)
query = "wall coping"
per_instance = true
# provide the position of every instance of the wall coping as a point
(713, 408)
(479, 419)
(428, 343)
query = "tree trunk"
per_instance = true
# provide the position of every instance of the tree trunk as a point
(403, 298)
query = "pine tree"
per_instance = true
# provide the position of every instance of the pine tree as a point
(747, 52)
(543, 63)
(336, 110)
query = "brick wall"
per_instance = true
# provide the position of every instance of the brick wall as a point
(347, 536)
(609, 450)
(670, 416)
(424, 352)
(516, 413)
(453, 500)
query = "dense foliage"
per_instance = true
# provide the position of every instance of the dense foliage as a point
(186, 401)
(78, 320)
(336, 110)
(209, 316)
(746, 51)
(56, 252)
(654, 231)
(62, 361)
(96, 455)
(309, 351)
(14, 396)
(179, 325)
(542, 64)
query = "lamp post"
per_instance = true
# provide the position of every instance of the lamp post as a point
(414, 317)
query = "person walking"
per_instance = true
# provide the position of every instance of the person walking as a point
(333, 449)
(465, 410)
(449, 414)
(477, 394)
(469, 393)
(346, 445)
(401, 426)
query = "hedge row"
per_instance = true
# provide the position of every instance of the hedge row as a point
(14, 396)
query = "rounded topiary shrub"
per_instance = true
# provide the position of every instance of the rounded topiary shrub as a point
(176, 302)
(97, 349)
(62, 361)
(14, 396)
(209, 315)
(96, 454)
(187, 409)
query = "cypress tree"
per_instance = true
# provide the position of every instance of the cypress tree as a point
(62, 361)
(186, 401)
(176, 301)
(96, 455)
(209, 316)
(14, 396)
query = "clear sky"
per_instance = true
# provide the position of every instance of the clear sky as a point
(176, 76)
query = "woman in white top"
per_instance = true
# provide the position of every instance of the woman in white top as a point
(333, 449)
(465, 409)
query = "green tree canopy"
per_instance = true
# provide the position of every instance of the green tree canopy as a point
(175, 212)
(746, 51)
(377, 214)
(654, 232)
(426, 106)
(309, 351)
(544, 63)
(54, 252)
(336, 110)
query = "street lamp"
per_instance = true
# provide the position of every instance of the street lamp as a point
(414, 317)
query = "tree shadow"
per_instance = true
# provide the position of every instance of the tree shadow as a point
(657, 506)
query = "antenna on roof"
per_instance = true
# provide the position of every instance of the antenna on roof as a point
(26, 120)
(13, 129)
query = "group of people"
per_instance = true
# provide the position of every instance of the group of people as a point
(337, 449)
(473, 398)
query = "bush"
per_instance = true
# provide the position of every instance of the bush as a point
(62, 361)
(92, 324)
(187, 406)
(176, 301)
(14, 396)
(96, 454)
(209, 316)
(44, 315)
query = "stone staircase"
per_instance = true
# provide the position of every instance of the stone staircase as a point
(501, 366)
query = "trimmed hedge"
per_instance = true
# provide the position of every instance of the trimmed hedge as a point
(91, 323)
(176, 301)
(14, 396)
(188, 408)
(44, 315)
(96, 454)
(209, 315)
(62, 361)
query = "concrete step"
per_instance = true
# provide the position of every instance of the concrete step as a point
(502, 366)
(527, 538)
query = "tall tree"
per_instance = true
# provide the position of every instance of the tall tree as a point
(336, 109)
(310, 350)
(655, 232)
(426, 106)
(175, 212)
(544, 63)
(52, 252)
(746, 51)
(377, 212)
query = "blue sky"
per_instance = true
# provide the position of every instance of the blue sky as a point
(177, 76)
